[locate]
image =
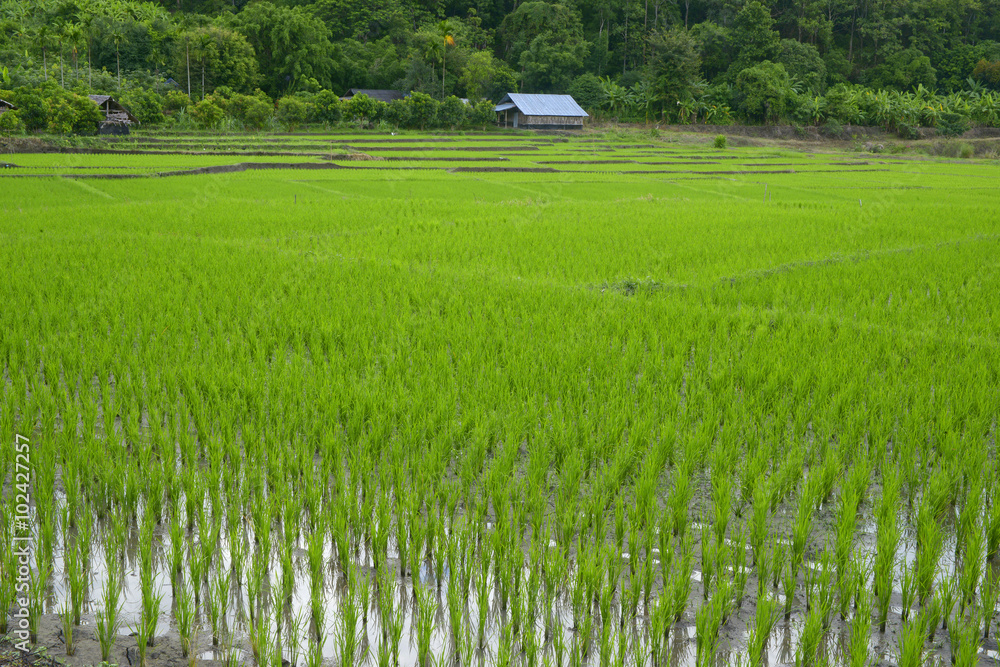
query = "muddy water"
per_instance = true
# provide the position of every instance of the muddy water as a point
(781, 647)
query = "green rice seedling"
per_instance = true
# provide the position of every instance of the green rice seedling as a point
(860, 631)
(988, 593)
(505, 649)
(908, 584)
(184, 614)
(482, 607)
(255, 583)
(763, 570)
(722, 500)
(558, 644)
(66, 618)
(992, 525)
(706, 633)
(965, 651)
(77, 576)
(455, 599)
(779, 555)
(765, 618)
(219, 604)
(811, 642)
(347, 628)
(932, 617)
(945, 596)
(709, 561)
(759, 528)
(108, 618)
(364, 596)
(972, 567)
(801, 530)
(680, 582)
(930, 542)
(176, 547)
(36, 598)
(426, 609)
(789, 582)
(911, 643)
(659, 626)
(680, 500)
(585, 631)
(887, 543)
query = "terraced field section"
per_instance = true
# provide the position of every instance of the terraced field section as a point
(504, 399)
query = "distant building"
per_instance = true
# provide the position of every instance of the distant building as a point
(5, 105)
(540, 112)
(117, 119)
(379, 95)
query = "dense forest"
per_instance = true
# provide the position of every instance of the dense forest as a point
(899, 63)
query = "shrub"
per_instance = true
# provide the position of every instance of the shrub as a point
(832, 128)
(175, 100)
(253, 112)
(586, 89)
(481, 114)
(207, 114)
(293, 111)
(952, 124)
(720, 141)
(360, 108)
(11, 123)
(69, 113)
(329, 108)
(423, 109)
(451, 113)
(145, 105)
(398, 113)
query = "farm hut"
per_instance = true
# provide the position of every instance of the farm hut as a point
(540, 112)
(5, 105)
(117, 119)
(378, 95)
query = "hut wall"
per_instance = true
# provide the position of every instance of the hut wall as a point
(551, 122)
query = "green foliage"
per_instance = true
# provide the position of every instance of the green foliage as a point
(673, 66)
(361, 108)
(754, 37)
(293, 112)
(588, 91)
(328, 107)
(803, 63)
(291, 46)
(951, 124)
(719, 141)
(487, 77)
(423, 110)
(145, 105)
(904, 70)
(11, 123)
(254, 112)
(545, 41)
(207, 113)
(451, 113)
(765, 92)
(214, 55)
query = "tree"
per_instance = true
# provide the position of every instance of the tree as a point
(546, 42)
(904, 70)
(674, 66)
(447, 39)
(753, 37)
(765, 92)
(290, 45)
(486, 77)
(224, 56)
(587, 90)
(803, 63)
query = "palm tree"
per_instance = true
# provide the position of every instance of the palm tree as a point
(445, 30)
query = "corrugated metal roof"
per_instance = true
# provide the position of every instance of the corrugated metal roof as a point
(543, 105)
(7, 105)
(504, 107)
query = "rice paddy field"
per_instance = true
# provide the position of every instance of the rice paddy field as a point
(496, 400)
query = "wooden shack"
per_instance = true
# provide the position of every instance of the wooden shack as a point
(5, 105)
(117, 119)
(540, 112)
